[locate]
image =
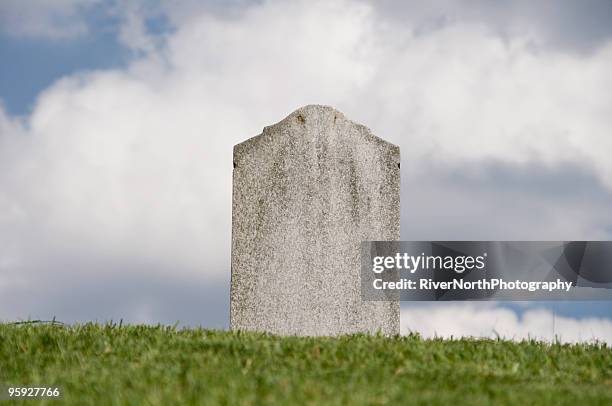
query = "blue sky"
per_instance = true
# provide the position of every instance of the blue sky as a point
(32, 62)
(118, 121)
(31, 65)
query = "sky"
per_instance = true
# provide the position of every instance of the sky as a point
(118, 118)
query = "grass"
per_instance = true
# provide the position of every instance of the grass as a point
(111, 364)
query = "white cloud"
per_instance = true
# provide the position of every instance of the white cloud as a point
(461, 94)
(135, 164)
(53, 19)
(487, 320)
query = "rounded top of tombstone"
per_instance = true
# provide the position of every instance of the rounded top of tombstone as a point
(321, 115)
(313, 113)
(313, 121)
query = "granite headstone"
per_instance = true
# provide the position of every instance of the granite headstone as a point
(306, 193)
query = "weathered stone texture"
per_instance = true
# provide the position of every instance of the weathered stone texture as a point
(306, 192)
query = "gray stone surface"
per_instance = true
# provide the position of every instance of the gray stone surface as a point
(306, 192)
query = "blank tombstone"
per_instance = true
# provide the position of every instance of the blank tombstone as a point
(306, 193)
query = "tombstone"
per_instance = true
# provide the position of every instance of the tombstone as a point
(306, 193)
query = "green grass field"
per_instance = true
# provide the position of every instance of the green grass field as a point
(108, 364)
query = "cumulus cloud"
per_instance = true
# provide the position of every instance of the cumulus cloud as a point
(488, 320)
(566, 25)
(125, 174)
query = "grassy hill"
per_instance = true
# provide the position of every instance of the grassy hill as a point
(109, 364)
